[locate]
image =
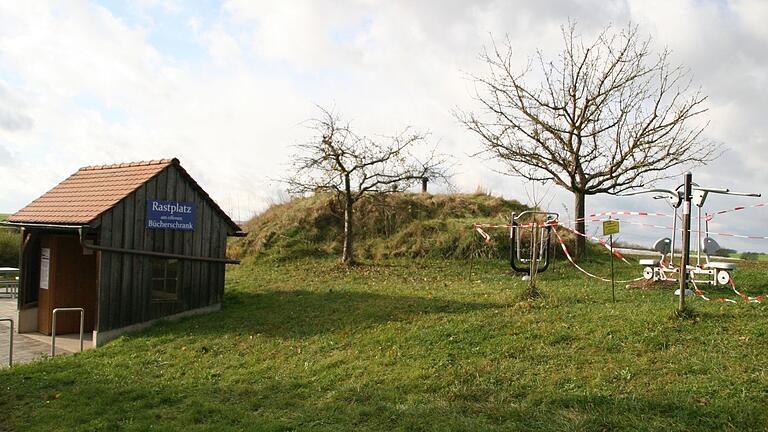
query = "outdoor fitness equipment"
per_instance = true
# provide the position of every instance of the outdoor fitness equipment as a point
(540, 232)
(711, 272)
(654, 268)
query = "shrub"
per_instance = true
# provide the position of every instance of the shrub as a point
(9, 248)
(749, 256)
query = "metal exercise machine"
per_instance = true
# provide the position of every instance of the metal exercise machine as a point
(540, 232)
(10, 340)
(706, 270)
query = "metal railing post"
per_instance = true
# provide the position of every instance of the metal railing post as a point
(684, 276)
(53, 327)
(10, 338)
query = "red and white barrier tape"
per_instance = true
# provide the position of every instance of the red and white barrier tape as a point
(746, 298)
(487, 237)
(717, 213)
(700, 293)
(592, 217)
(635, 223)
(568, 255)
(704, 297)
(528, 225)
(483, 234)
(737, 235)
(758, 299)
(598, 240)
(491, 225)
(691, 231)
(627, 213)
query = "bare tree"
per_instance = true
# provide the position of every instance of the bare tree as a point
(339, 161)
(604, 117)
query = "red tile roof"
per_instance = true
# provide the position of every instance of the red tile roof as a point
(89, 192)
(93, 190)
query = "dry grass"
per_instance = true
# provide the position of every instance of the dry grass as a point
(392, 225)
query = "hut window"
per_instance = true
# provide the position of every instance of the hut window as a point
(165, 280)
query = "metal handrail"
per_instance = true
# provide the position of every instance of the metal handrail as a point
(53, 326)
(10, 344)
(515, 240)
(11, 287)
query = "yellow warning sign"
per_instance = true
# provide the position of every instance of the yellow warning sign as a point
(610, 227)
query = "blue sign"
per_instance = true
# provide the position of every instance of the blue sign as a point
(171, 215)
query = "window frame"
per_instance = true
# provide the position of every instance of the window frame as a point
(166, 281)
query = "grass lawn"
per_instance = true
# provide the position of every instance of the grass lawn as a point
(415, 345)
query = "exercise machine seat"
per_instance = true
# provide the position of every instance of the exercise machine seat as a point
(663, 246)
(720, 265)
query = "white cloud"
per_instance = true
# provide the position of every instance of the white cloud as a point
(752, 13)
(13, 116)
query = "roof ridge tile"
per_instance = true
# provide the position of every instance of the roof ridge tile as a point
(129, 164)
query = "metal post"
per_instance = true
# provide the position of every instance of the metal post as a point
(534, 250)
(686, 246)
(534, 257)
(10, 345)
(53, 327)
(82, 327)
(20, 279)
(512, 248)
(698, 238)
(613, 275)
(674, 239)
(53, 333)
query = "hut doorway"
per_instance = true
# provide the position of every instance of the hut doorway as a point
(68, 278)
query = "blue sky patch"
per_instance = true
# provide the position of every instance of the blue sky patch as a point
(169, 31)
(109, 113)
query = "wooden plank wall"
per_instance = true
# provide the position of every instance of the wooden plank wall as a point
(125, 280)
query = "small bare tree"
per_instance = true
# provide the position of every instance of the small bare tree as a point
(605, 117)
(339, 161)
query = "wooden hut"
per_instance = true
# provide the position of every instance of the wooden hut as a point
(129, 243)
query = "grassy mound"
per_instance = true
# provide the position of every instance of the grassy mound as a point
(393, 225)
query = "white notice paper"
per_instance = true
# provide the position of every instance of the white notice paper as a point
(45, 267)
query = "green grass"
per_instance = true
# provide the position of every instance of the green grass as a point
(415, 345)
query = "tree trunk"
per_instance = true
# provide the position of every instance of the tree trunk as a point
(581, 242)
(346, 255)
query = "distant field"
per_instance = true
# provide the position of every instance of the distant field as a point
(401, 345)
(760, 257)
(3, 216)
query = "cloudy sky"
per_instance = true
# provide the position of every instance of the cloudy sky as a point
(226, 86)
